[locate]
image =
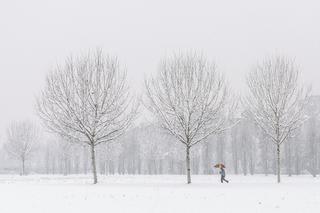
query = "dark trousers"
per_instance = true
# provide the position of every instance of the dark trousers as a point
(223, 179)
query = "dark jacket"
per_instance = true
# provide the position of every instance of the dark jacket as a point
(222, 172)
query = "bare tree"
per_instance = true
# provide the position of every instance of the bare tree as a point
(22, 138)
(276, 101)
(87, 101)
(189, 99)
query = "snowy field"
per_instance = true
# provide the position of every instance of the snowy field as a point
(148, 194)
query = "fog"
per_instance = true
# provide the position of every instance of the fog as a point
(36, 35)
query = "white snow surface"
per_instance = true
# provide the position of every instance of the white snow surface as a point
(163, 193)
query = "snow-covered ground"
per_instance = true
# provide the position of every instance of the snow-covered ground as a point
(165, 193)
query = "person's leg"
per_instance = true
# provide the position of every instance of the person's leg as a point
(225, 180)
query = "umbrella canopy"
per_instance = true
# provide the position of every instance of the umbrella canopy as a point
(219, 165)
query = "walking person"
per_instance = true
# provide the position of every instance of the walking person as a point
(222, 172)
(223, 175)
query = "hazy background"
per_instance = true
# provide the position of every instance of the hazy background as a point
(37, 34)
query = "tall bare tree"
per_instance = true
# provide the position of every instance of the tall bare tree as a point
(276, 100)
(87, 101)
(22, 139)
(189, 99)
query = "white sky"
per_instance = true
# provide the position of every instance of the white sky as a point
(37, 34)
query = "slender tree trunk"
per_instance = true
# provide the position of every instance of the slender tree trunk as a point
(297, 162)
(235, 161)
(77, 164)
(22, 166)
(47, 159)
(94, 168)
(206, 164)
(290, 160)
(244, 163)
(265, 156)
(188, 164)
(106, 167)
(139, 166)
(251, 163)
(161, 166)
(65, 172)
(54, 165)
(278, 162)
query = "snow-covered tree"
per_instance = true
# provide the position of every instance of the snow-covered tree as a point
(87, 101)
(189, 98)
(22, 138)
(276, 100)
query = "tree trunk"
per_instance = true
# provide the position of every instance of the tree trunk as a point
(106, 168)
(22, 166)
(85, 160)
(251, 163)
(65, 166)
(188, 164)
(244, 163)
(297, 162)
(278, 162)
(290, 161)
(235, 161)
(94, 168)
(265, 158)
(287, 157)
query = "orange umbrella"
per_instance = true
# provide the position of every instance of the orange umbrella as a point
(219, 165)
